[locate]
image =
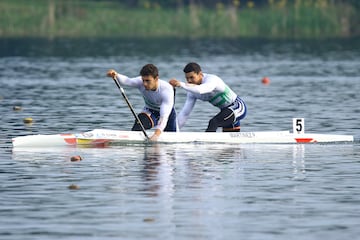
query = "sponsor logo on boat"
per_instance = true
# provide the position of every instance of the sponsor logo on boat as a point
(111, 135)
(102, 135)
(242, 135)
(86, 135)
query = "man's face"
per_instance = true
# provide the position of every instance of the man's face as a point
(194, 78)
(150, 83)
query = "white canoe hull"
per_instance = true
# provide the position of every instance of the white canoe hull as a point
(104, 137)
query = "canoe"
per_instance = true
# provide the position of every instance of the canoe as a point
(106, 137)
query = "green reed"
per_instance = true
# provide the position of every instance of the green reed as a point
(279, 19)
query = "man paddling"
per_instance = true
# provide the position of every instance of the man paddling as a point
(158, 95)
(211, 88)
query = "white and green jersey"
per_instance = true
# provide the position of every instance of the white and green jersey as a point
(212, 89)
(161, 100)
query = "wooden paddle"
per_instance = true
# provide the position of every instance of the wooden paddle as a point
(129, 105)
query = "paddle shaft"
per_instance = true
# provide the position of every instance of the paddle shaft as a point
(129, 105)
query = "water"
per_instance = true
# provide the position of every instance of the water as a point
(179, 191)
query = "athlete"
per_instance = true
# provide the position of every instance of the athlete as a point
(158, 95)
(211, 88)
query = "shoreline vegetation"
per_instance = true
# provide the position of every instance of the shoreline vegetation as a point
(277, 19)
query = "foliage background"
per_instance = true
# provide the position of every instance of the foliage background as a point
(294, 19)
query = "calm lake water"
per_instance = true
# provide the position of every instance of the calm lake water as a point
(180, 191)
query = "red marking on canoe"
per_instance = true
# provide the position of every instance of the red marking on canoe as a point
(71, 141)
(305, 140)
(100, 142)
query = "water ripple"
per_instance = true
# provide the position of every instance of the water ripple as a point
(215, 191)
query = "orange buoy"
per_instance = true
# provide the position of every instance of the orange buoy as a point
(265, 81)
(76, 158)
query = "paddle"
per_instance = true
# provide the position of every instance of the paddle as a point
(129, 105)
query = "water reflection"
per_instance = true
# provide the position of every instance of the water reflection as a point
(298, 161)
(175, 158)
(163, 168)
(158, 169)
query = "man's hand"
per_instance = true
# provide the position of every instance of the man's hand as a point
(111, 73)
(155, 136)
(174, 82)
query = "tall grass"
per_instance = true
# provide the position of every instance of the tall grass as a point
(279, 19)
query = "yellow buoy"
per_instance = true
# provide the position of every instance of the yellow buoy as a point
(28, 120)
(16, 108)
(73, 187)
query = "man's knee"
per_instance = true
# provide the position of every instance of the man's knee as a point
(213, 125)
(146, 121)
(227, 116)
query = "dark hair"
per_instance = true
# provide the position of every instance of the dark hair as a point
(149, 70)
(192, 67)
